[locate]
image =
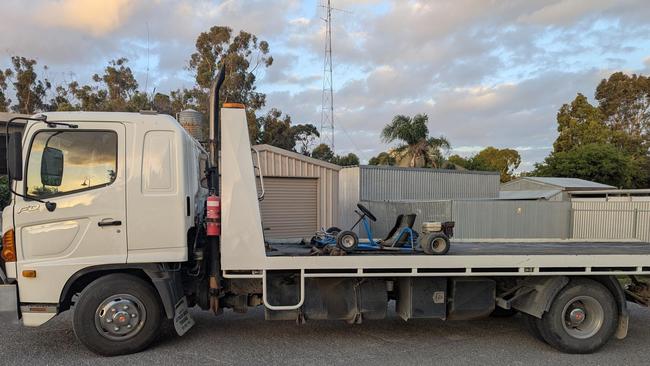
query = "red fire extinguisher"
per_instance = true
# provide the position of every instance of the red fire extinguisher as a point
(213, 215)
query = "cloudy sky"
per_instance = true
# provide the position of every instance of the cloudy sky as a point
(486, 72)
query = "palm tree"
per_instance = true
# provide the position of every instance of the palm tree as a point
(417, 149)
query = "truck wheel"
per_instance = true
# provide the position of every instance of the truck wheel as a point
(117, 314)
(582, 318)
(435, 243)
(347, 240)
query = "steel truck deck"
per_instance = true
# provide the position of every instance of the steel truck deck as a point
(493, 248)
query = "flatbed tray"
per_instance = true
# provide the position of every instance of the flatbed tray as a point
(463, 248)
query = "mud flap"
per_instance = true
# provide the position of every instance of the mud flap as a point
(8, 304)
(182, 319)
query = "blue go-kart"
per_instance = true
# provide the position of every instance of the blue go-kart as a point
(401, 237)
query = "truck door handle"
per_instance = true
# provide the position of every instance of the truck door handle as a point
(109, 223)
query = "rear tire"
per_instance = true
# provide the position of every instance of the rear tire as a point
(582, 318)
(117, 314)
(435, 243)
(347, 240)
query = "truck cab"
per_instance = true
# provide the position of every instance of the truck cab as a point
(126, 188)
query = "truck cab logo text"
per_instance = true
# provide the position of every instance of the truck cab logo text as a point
(29, 208)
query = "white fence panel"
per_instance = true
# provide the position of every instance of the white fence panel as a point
(611, 220)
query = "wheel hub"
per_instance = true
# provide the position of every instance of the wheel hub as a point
(577, 316)
(120, 317)
(583, 317)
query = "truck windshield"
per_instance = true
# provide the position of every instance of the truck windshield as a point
(89, 161)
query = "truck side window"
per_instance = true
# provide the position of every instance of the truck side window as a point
(63, 162)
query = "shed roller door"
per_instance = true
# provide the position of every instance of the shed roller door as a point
(290, 207)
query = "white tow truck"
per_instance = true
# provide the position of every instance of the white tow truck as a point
(116, 216)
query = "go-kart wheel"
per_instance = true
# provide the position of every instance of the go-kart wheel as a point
(333, 230)
(347, 240)
(435, 243)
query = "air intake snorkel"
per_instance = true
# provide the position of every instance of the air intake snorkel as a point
(215, 141)
(213, 204)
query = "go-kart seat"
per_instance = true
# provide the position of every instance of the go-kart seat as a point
(398, 223)
(396, 237)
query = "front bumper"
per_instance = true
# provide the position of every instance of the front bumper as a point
(8, 304)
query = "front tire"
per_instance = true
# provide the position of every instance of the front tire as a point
(582, 318)
(117, 314)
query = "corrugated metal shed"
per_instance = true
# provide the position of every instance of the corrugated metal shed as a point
(276, 162)
(570, 183)
(529, 195)
(620, 195)
(546, 183)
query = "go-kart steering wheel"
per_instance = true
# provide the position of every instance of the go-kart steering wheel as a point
(366, 212)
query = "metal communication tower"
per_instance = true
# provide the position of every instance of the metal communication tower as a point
(327, 108)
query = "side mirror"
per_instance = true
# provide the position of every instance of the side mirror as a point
(52, 167)
(15, 156)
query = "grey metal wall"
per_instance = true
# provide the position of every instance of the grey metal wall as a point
(382, 183)
(611, 220)
(482, 219)
(512, 219)
(386, 213)
(348, 196)
(526, 185)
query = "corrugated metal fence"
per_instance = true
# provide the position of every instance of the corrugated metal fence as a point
(387, 212)
(511, 219)
(524, 219)
(481, 219)
(611, 220)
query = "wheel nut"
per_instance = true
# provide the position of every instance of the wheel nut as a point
(134, 315)
(109, 320)
(116, 329)
(125, 307)
(129, 326)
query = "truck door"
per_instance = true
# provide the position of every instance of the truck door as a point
(82, 171)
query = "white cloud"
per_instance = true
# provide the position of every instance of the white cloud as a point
(97, 17)
(301, 21)
(488, 73)
(564, 12)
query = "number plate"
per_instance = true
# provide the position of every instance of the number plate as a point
(182, 319)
